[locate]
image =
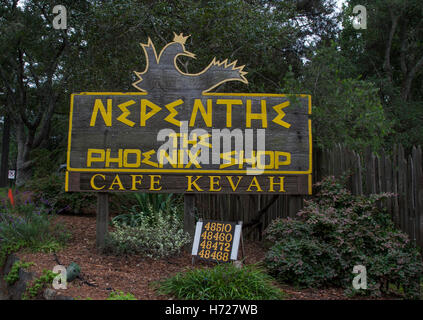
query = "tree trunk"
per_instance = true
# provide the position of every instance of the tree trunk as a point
(23, 164)
(5, 152)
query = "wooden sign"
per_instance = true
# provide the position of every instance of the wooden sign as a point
(174, 135)
(216, 240)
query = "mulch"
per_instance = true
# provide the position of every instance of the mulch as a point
(102, 274)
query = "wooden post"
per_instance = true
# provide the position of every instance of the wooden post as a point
(189, 217)
(102, 219)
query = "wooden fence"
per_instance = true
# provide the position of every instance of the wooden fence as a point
(369, 173)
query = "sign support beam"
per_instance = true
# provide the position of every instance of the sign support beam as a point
(189, 217)
(102, 220)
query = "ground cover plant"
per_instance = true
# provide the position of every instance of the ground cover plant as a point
(153, 228)
(35, 289)
(222, 282)
(337, 231)
(25, 225)
(13, 275)
(120, 295)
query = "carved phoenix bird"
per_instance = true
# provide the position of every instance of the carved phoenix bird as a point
(162, 74)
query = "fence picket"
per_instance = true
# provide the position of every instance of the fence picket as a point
(377, 173)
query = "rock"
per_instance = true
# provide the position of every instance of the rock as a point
(11, 259)
(16, 290)
(50, 294)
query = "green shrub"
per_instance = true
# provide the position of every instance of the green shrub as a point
(8, 248)
(121, 296)
(157, 235)
(223, 282)
(49, 192)
(13, 275)
(27, 226)
(333, 233)
(39, 284)
(147, 204)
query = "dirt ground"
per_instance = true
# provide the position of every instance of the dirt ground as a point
(105, 273)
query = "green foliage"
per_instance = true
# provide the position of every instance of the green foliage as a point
(393, 64)
(156, 235)
(336, 231)
(13, 275)
(8, 248)
(39, 284)
(114, 295)
(223, 282)
(26, 226)
(346, 108)
(147, 204)
(264, 37)
(49, 191)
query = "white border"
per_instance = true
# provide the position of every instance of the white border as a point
(197, 235)
(235, 245)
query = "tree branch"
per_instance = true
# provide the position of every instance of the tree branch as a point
(409, 80)
(387, 63)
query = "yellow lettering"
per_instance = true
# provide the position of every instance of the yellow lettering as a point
(117, 160)
(193, 159)
(91, 158)
(173, 161)
(116, 181)
(257, 116)
(207, 116)
(147, 156)
(262, 155)
(214, 183)
(280, 183)
(125, 113)
(286, 162)
(92, 181)
(278, 119)
(254, 183)
(155, 183)
(127, 152)
(229, 103)
(172, 112)
(193, 183)
(144, 115)
(242, 159)
(230, 161)
(107, 115)
(234, 187)
(136, 181)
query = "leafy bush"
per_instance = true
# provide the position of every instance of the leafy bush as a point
(157, 235)
(335, 232)
(49, 191)
(121, 296)
(223, 282)
(25, 225)
(13, 275)
(39, 284)
(146, 205)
